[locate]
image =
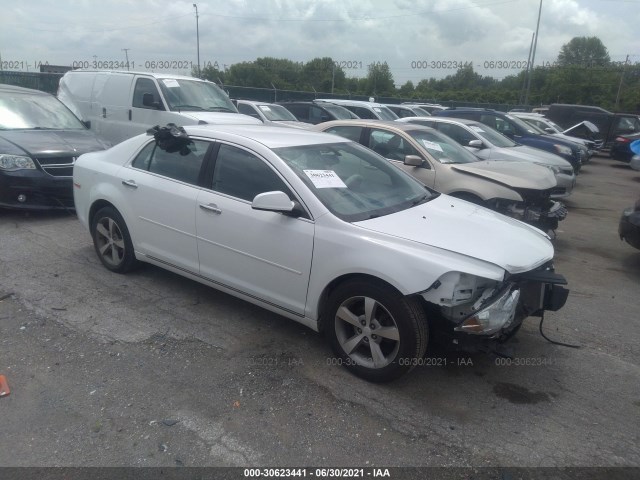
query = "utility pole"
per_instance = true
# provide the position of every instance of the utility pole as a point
(620, 84)
(333, 75)
(197, 38)
(126, 53)
(533, 57)
(526, 73)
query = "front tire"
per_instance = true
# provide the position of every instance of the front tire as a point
(375, 332)
(112, 241)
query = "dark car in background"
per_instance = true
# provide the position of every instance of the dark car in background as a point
(522, 132)
(621, 147)
(629, 227)
(40, 140)
(317, 112)
(610, 124)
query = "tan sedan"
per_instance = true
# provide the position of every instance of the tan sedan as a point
(518, 189)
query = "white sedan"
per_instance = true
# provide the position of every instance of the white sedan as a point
(321, 230)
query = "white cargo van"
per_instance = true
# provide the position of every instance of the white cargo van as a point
(120, 105)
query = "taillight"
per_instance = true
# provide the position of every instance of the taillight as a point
(622, 140)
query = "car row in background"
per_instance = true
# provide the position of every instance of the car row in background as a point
(489, 144)
(523, 133)
(552, 128)
(40, 140)
(322, 231)
(520, 190)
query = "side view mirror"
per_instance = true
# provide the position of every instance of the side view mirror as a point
(413, 160)
(276, 202)
(87, 123)
(476, 144)
(148, 101)
(549, 130)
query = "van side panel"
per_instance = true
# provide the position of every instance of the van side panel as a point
(110, 105)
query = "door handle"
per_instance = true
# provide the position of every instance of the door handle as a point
(130, 183)
(212, 207)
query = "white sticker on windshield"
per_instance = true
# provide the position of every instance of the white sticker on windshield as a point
(476, 129)
(170, 82)
(324, 179)
(264, 108)
(431, 145)
(377, 109)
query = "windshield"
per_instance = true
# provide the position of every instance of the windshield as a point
(385, 113)
(492, 136)
(354, 183)
(420, 112)
(441, 147)
(526, 126)
(194, 95)
(339, 112)
(276, 113)
(19, 111)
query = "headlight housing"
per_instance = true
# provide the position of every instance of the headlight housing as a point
(562, 149)
(499, 314)
(555, 169)
(16, 162)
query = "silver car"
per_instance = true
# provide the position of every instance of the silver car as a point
(488, 144)
(517, 189)
(270, 114)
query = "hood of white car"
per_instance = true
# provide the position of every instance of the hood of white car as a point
(220, 118)
(512, 174)
(462, 227)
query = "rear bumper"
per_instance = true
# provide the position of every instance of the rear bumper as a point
(35, 190)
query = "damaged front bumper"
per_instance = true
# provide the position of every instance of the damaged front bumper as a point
(544, 219)
(497, 312)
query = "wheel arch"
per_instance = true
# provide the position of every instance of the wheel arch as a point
(96, 206)
(331, 286)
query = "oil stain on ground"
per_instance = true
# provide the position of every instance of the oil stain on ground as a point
(517, 394)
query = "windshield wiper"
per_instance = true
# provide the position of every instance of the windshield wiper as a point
(423, 199)
(190, 107)
(220, 109)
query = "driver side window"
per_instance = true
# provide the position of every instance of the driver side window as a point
(243, 175)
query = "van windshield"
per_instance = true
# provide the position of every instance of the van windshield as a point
(195, 95)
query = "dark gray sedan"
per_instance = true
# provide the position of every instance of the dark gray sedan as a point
(40, 140)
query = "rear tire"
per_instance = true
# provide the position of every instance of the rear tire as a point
(112, 241)
(375, 332)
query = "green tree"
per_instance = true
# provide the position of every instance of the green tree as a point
(585, 52)
(322, 74)
(380, 80)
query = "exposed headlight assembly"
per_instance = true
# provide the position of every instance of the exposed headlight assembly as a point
(492, 318)
(562, 149)
(16, 162)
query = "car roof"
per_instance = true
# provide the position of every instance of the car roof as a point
(464, 121)
(255, 102)
(271, 137)
(355, 103)
(148, 74)
(362, 122)
(15, 89)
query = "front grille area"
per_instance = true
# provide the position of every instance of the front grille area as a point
(57, 166)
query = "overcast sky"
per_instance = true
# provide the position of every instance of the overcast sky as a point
(356, 32)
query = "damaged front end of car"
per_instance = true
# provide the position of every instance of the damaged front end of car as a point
(475, 314)
(536, 208)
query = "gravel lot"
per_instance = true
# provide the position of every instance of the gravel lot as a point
(151, 369)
